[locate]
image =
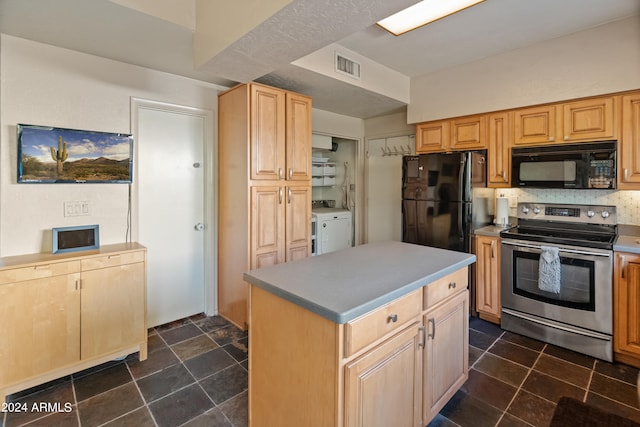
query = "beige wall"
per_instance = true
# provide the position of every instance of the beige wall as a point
(45, 85)
(601, 60)
(389, 125)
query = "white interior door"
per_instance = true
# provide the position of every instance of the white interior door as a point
(171, 219)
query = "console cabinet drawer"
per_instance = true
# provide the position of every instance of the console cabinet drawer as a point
(445, 287)
(368, 328)
(39, 271)
(112, 260)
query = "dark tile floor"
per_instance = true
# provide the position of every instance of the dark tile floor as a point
(196, 375)
(517, 381)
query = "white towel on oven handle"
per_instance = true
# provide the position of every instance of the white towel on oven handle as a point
(549, 269)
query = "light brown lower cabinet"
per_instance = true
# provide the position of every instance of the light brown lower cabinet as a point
(68, 312)
(488, 278)
(384, 386)
(446, 354)
(626, 308)
(396, 365)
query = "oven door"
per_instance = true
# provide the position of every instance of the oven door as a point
(585, 298)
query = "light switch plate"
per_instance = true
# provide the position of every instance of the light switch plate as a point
(80, 208)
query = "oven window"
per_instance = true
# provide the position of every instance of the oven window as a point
(577, 287)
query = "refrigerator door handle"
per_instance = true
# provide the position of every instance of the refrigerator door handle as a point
(461, 174)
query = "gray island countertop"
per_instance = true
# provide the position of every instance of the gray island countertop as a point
(343, 285)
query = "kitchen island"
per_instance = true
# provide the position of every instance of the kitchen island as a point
(373, 335)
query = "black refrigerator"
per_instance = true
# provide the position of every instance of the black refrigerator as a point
(438, 206)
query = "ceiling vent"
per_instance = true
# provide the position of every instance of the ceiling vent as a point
(347, 66)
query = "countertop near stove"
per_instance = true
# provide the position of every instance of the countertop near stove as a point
(345, 284)
(628, 239)
(491, 230)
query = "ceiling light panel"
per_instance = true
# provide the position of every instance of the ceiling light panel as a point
(423, 13)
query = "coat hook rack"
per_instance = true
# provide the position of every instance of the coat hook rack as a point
(387, 151)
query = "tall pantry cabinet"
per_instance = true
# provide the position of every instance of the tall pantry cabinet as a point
(264, 169)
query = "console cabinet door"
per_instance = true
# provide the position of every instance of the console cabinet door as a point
(446, 354)
(626, 294)
(383, 387)
(41, 326)
(112, 311)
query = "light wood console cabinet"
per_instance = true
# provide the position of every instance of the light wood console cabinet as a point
(68, 312)
(396, 365)
(626, 308)
(264, 164)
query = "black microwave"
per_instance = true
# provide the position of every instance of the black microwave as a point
(574, 166)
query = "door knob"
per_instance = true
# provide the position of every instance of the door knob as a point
(199, 226)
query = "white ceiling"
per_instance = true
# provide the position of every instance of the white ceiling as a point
(107, 29)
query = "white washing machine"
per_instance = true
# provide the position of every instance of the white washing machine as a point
(333, 230)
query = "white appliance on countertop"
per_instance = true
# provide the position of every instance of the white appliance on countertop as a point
(332, 230)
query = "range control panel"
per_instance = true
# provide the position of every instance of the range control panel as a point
(591, 214)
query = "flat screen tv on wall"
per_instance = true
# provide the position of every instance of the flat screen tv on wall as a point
(59, 155)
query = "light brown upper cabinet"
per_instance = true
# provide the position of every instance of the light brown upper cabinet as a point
(589, 119)
(432, 136)
(629, 148)
(461, 133)
(534, 126)
(469, 133)
(280, 134)
(298, 137)
(583, 120)
(499, 151)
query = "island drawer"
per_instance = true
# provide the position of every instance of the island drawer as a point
(369, 327)
(445, 287)
(38, 271)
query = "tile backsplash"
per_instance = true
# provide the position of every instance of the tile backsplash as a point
(627, 202)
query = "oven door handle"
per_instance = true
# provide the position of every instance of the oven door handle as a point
(570, 251)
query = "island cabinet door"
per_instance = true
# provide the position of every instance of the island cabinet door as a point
(383, 387)
(446, 353)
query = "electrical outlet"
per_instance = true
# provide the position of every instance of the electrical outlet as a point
(77, 208)
(513, 201)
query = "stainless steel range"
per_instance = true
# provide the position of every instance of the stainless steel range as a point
(556, 274)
